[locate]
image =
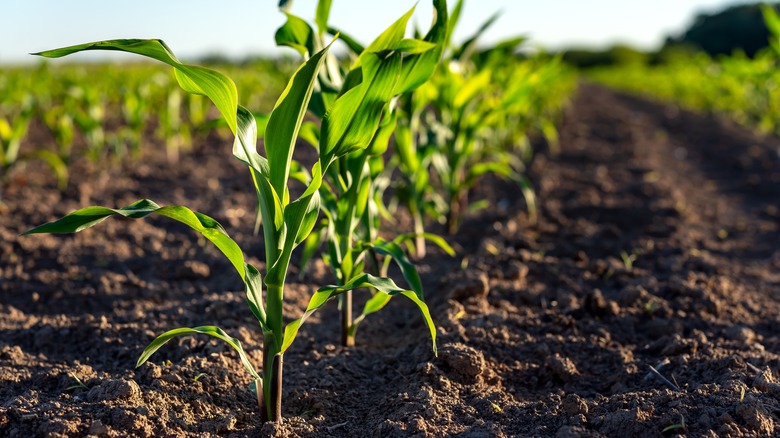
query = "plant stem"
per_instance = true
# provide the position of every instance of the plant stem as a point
(272, 358)
(419, 229)
(459, 201)
(271, 409)
(259, 391)
(347, 337)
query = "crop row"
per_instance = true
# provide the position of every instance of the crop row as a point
(401, 123)
(107, 113)
(744, 89)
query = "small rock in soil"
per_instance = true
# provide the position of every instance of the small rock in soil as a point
(114, 389)
(516, 271)
(765, 382)
(574, 432)
(600, 306)
(127, 420)
(675, 345)
(13, 354)
(467, 284)
(98, 428)
(563, 367)
(741, 334)
(630, 295)
(151, 370)
(192, 269)
(574, 405)
(224, 424)
(466, 363)
(756, 417)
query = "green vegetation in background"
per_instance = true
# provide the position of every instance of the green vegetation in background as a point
(473, 118)
(742, 88)
(111, 113)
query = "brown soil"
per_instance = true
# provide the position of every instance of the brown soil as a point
(657, 245)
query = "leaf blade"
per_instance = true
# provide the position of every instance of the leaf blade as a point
(212, 331)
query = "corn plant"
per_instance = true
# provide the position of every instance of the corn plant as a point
(348, 127)
(60, 122)
(136, 108)
(415, 147)
(89, 115)
(469, 120)
(350, 193)
(13, 128)
(438, 144)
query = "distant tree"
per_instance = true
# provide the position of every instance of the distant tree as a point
(738, 27)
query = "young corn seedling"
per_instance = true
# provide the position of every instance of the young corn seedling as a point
(90, 113)
(349, 193)
(415, 147)
(465, 101)
(60, 123)
(135, 112)
(13, 129)
(285, 222)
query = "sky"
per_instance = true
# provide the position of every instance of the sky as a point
(237, 28)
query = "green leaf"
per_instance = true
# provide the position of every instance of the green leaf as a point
(530, 197)
(204, 330)
(351, 123)
(454, 18)
(254, 294)
(374, 304)
(473, 87)
(426, 315)
(208, 227)
(395, 252)
(496, 168)
(285, 121)
(406, 150)
(771, 19)
(387, 40)
(322, 15)
(433, 238)
(193, 79)
(414, 46)
(297, 34)
(468, 46)
(418, 68)
(268, 201)
(381, 284)
(381, 139)
(310, 247)
(310, 132)
(299, 219)
(509, 45)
